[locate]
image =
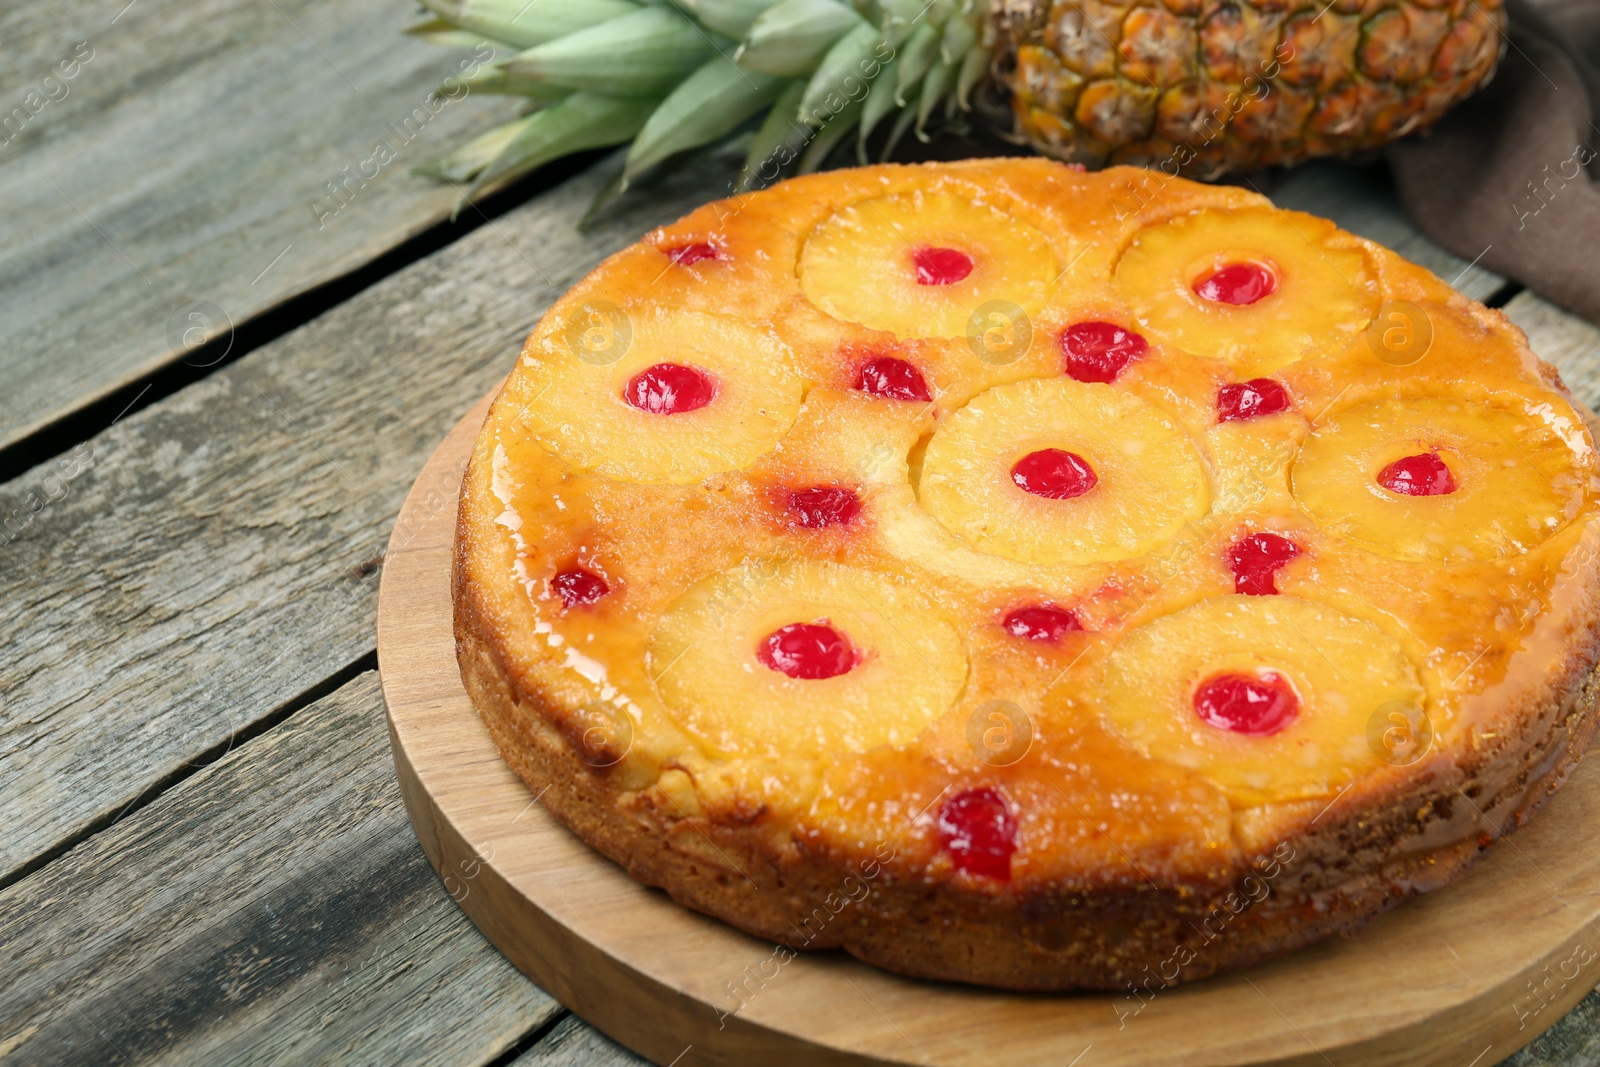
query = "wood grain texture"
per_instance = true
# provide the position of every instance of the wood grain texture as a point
(573, 1042)
(211, 557)
(1431, 984)
(184, 159)
(272, 908)
(1572, 1042)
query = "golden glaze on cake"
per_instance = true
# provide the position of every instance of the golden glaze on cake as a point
(1035, 801)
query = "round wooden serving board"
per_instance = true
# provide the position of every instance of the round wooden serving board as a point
(1459, 978)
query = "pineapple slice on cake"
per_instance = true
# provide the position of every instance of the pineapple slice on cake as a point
(798, 657)
(1455, 476)
(1259, 287)
(1052, 470)
(658, 395)
(1268, 697)
(923, 263)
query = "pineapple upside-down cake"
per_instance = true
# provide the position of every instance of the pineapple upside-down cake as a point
(1030, 577)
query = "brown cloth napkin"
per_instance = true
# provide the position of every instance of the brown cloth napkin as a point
(1504, 179)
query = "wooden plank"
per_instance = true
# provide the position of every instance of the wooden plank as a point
(188, 158)
(207, 559)
(1363, 201)
(1573, 1042)
(273, 908)
(574, 1043)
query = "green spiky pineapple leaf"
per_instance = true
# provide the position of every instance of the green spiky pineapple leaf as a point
(526, 23)
(795, 77)
(791, 37)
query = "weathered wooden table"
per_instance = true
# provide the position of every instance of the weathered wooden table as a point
(227, 348)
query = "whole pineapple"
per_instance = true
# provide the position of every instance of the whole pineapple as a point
(1198, 87)
(1224, 85)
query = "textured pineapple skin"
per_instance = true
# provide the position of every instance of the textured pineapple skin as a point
(1126, 847)
(1207, 87)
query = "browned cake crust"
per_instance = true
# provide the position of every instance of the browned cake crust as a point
(1341, 869)
(839, 850)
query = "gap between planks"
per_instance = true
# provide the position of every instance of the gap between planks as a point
(272, 719)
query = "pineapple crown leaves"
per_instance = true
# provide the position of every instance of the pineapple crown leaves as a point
(675, 77)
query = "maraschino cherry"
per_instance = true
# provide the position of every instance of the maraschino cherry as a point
(669, 389)
(892, 379)
(1098, 351)
(1255, 560)
(978, 830)
(1253, 705)
(1041, 622)
(941, 266)
(1239, 284)
(1247, 400)
(577, 586)
(689, 254)
(1054, 474)
(1424, 474)
(808, 651)
(823, 505)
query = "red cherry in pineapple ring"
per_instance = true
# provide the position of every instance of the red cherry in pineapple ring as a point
(577, 586)
(1097, 351)
(1239, 284)
(1041, 623)
(808, 651)
(892, 379)
(1420, 475)
(941, 266)
(823, 505)
(669, 389)
(1054, 474)
(1257, 706)
(978, 830)
(1255, 560)
(1246, 400)
(686, 255)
